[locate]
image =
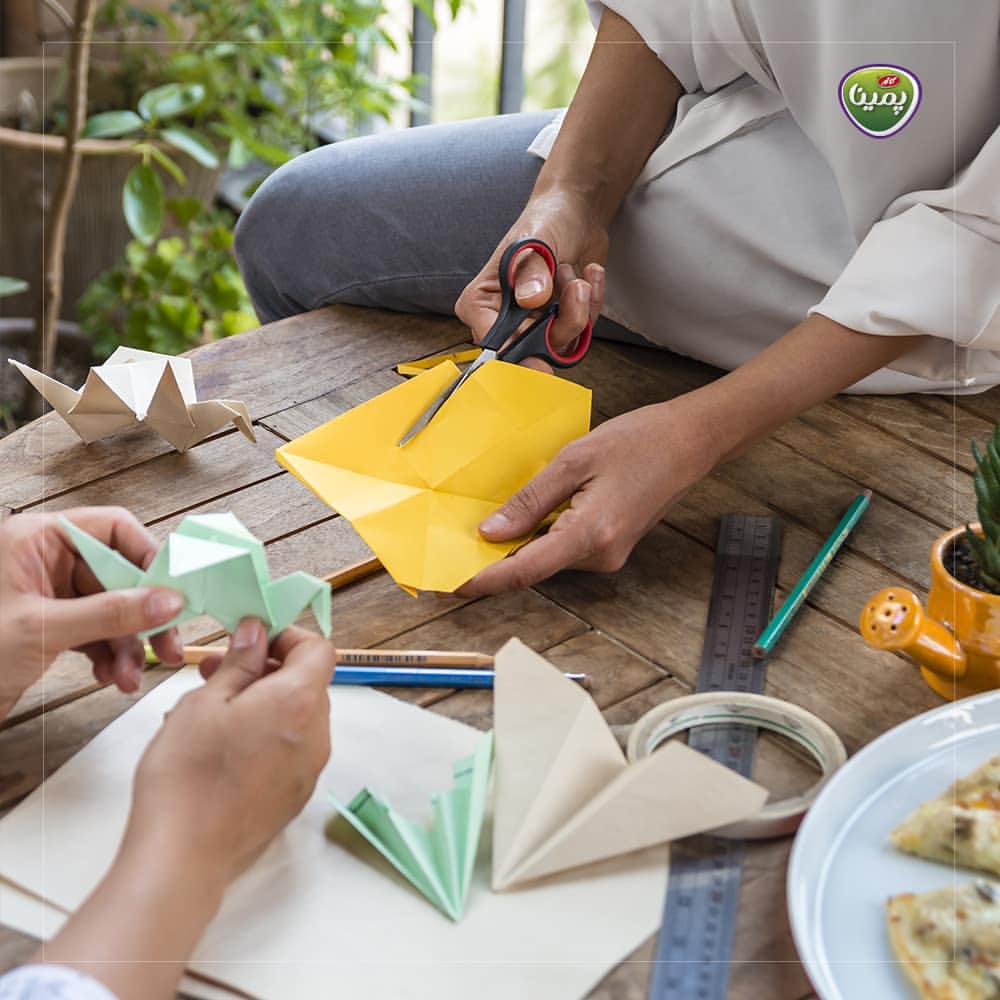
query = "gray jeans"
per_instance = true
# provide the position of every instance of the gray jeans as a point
(402, 220)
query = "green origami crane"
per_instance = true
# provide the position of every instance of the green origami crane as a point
(437, 861)
(221, 570)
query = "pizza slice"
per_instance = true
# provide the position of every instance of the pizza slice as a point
(948, 940)
(960, 827)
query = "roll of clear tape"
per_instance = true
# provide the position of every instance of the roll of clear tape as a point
(776, 819)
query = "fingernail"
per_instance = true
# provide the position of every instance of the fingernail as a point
(528, 288)
(163, 604)
(247, 634)
(495, 523)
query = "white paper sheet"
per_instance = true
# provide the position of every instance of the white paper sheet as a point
(313, 919)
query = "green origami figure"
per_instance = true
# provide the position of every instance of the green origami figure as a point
(220, 569)
(437, 861)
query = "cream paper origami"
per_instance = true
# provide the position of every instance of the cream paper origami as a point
(419, 506)
(565, 795)
(221, 570)
(140, 387)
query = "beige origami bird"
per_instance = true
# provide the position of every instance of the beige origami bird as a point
(140, 387)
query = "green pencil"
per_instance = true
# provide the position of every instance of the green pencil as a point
(771, 634)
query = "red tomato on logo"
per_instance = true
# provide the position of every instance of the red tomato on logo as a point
(888, 81)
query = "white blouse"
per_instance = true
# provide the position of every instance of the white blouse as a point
(924, 222)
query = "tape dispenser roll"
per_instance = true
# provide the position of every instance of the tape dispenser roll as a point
(776, 819)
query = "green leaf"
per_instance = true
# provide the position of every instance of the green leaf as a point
(239, 154)
(187, 141)
(986, 471)
(171, 168)
(142, 202)
(110, 124)
(990, 528)
(12, 286)
(184, 209)
(170, 100)
(993, 459)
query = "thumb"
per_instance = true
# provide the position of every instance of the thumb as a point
(532, 281)
(245, 662)
(532, 503)
(110, 614)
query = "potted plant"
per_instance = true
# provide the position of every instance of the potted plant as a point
(956, 641)
(265, 74)
(171, 295)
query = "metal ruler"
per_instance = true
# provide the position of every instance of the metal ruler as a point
(699, 913)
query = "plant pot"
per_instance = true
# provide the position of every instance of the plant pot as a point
(17, 337)
(956, 642)
(97, 232)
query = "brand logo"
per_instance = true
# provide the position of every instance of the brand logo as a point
(879, 100)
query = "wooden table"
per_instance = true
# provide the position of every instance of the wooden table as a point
(638, 632)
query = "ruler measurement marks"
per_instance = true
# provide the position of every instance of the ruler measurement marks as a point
(699, 917)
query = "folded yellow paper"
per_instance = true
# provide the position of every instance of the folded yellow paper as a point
(422, 364)
(419, 506)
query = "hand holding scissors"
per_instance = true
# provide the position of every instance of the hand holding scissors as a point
(532, 342)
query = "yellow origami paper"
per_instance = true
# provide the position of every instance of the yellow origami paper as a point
(419, 506)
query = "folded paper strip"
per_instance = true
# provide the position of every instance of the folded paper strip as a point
(564, 793)
(419, 506)
(438, 860)
(140, 387)
(221, 570)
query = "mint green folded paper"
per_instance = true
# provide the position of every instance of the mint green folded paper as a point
(439, 860)
(221, 570)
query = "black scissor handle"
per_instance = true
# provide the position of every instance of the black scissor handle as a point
(535, 343)
(510, 315)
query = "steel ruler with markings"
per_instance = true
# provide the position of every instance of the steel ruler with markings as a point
(703, 890)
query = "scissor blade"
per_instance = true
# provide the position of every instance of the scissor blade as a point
(428, 415)
(425, 418)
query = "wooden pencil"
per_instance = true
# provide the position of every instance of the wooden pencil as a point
(375, 657)
(356, 571)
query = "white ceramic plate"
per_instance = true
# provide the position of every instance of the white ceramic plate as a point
(843, 869)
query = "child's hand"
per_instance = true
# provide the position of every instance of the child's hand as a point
(50, 601)
(238, 758)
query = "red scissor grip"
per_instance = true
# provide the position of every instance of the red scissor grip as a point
(538, 247)
(582, 345)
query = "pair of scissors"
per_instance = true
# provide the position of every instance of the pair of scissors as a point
(533, 342)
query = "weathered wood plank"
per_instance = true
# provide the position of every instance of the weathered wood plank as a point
(270, 509)
(985, 405)
(615, 673)
(817, 497)
(309, 415)
(483, 627)
(657, 606)
(177, 482)
(934, 424)
(318, 351)
(848, 582)
(920, 482)
(35, 748)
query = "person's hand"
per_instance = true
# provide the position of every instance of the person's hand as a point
(565, 222)
(620, 479)
(238, 758)
(50, 601)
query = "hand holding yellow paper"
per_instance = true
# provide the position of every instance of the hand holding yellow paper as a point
(419, 506)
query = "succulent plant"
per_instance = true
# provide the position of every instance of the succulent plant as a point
(986, 479)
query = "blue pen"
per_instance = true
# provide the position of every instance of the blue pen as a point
(426, 677)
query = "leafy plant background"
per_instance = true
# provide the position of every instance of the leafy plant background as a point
(179, 291)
